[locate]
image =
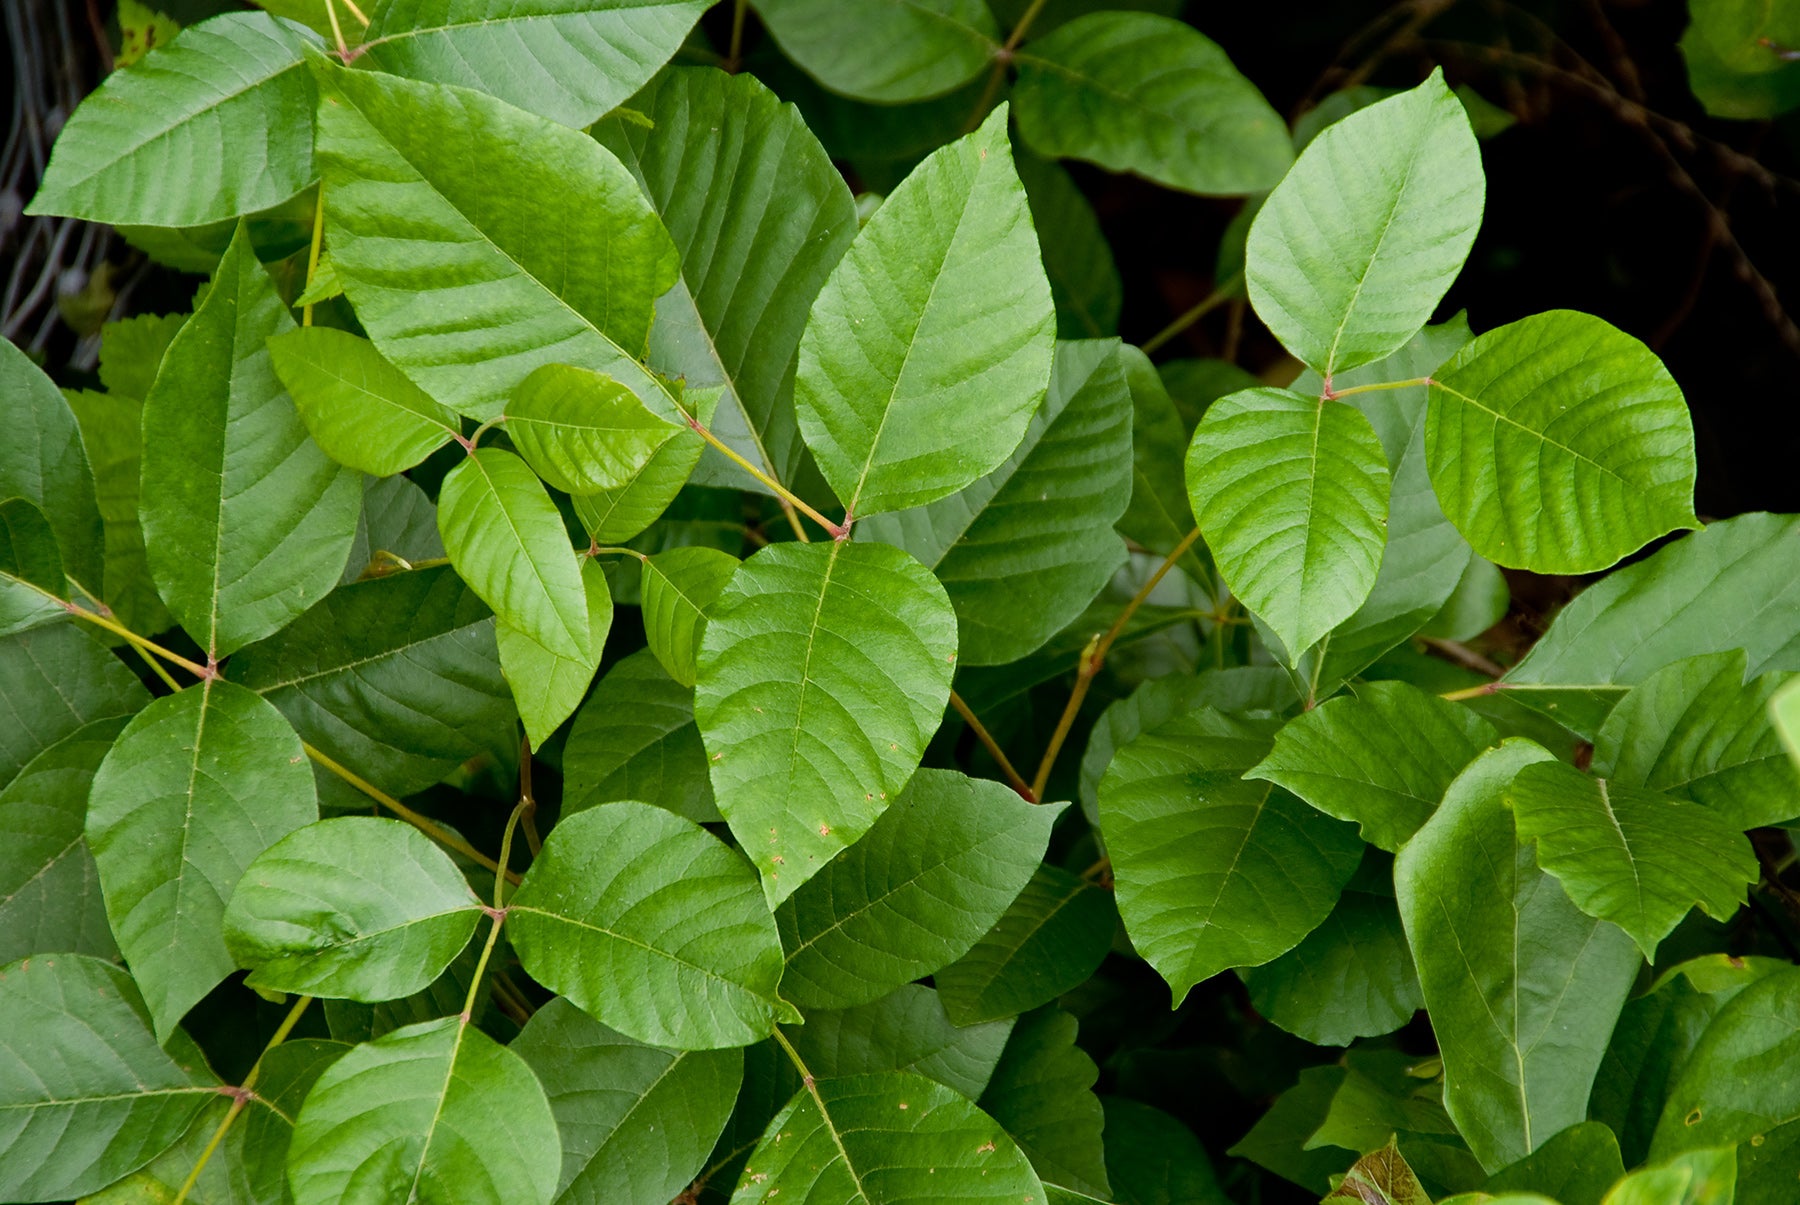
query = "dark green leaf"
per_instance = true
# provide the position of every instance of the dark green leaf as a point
(679, 586)
(1084, 281)
(1735, 1084)
(1352, 977)
(905, 1030)
(881, 51)
(1279, 1141)
(1042, 1092)
(1576, 1167)
(32, 583)
(582, 431)
(635, 739)
(548, 687)
(42, 461)
(1159, 515)
(1049, 941)
(1152, 1159)
(398, 520)
(132, 350)
(52, 682)
(112, 430)
(361, 410)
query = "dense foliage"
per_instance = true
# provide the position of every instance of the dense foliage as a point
(572, 598)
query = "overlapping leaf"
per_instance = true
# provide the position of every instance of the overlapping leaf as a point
(361, 410)
(112, 431)
(53, 681)
(1084, 281)
(1731, 1086)
(1153, 1158)
(1042, 1092)
(1049, 941)
(678, 587)
(1352, 977)
(33, 586)
(583, 431)
(43, 462)
(905, 1030)
(549, 686)
(880, 51)
(635, 739)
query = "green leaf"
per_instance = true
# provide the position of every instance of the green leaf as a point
(507, 540)
(905, 1030)
(1380, 1178)
(1078, 262)
(1560, 444)
(357, 908)
(437, 1111)
(823, 672)
(350, 1021)
(1576, 1167)
(43, 462)
(1291, 494)
(1280, 1139)
(582, 431)
(1159, 515)
(1735, 63)
(246, 522)
(112, 430)
(651, 925)
(892, 1137)
(1352, 977)
(1042, 1092)
(637, 1122)
(197, 785)
(1213, 871)
(678, 587)
(882, 51)
(1381, 758)
(131, 350)
(50, 899)
(1152, 1159)
(361, 410)
(1634, 857)
(635, 739)
(1735, 1085)
(53, 681)
(32, 582)
(1696, 729)
(72, 1125)
(1049, 941)
(915, 378)
(549, 687)
(756, 245)
(215, 124)
(1041, 525)
(1522, 988)
(572, 63)
(397, 519)
(1138, 92)
(914, 894)
(1695, 1177)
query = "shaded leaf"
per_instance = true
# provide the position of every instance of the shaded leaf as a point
(1152, 1159)
(1694, 1177)
(1352, 977)
(549, 687)
(1159, 515)
(1279, 1139)
(905, 1030)
(43, 462)
(1042, 1092)
(361, 410)
(678, 588)
(1049, 941)
(635, 739)
(582, 431)
(880, 51)
(1733, 1086)
(1078, 262)
(53, 681)
(112, 430)
(32, 583)
(397, 519)
(1575, 1167)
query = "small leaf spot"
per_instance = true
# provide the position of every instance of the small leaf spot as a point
(903, 1105)
(1757, 1139)
(986, 1148)
(824, 830)
(1692, 1118)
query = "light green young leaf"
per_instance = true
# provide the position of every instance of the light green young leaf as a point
(905, 1030)
(1522, 987)
(651, 925)
(112, 430)
(1708, 1176)
(53, 681)
(216, 124)
(916, 893)
(1291, 494)
(1381, 758)
(824, 671)
(1352, 977)
(635, 739)
(74, 1125)
(678, 587)
(42, 461)
(915, 377)
(1213, 871)
(32, 582)
(437, 1111)
(884, 52)
(1043, 1093)
(1560, 444)
(1138, 92)
(583, 431)
(547, 686)
(1049, 941)
(891, 1137)
(360, 409)
(1575, 1167)
(1152, 1159)
(637, 1122)
(570, 62)
(1078, 261)
(1357, 245)
(506, 539)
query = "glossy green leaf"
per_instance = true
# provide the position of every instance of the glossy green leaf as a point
(1695, 1177)
(1734, 1085)
(1042, 1092)
(1352, 977)
(916, 893)
(1381, 758)
(360, 409)
(1522, 987)
(1138, 92)
(651, 925)
(246, 522)
(582, 431)
(1078, 262)
(881, 51)
(905, 1030)
(72, 1125)
(549, 687)
(32, 582)
(678, 587)
(1152, 1159)
(215, 124)
(891, 1137)
(42, 460)
(1357, 245)
(1575, 1167)
(112, 430)
(571, 62)
(824, 670)
(1560, 444)
(54, 681)
(915, 378)
(1291, 494)
(437, 1111)
(358, 908)
(637, 1122)
(635, 739)
(197, 785)
(1048, 941)
(1212, 871)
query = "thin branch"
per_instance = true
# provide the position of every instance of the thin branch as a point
(1013, 777)
(1463, 655)
(241, 1096)
(1226, 290)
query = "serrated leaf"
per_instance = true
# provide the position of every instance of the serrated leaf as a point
(905, 1030)
(1291, 494)
(112, 431)
(1575, 1167)
(1357, 245)
(1732, 1086)
(915, 379)
(652, 926)
(1050, 939)
(635, 739)
(53, 681)
(215, 124)
(43, 462)
(582, 431)
(1152, 1159)
(1352, 977)
(1211, 871)
(1560, 444)
(437, 1111)
(823, 672)
(1381, 758)
(678, 587)
(1042, 1092)
(548, 687)
(1522, 988)
(637, 1122)
(876, 50)
(1078, 262)
(196, 786)
(1143, 93)
(914, 894)
(361, 410)
(33, 585)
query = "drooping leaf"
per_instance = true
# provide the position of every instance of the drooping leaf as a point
(635, 739)
(582, 431)
(216, 124)
(1078, 262)
(914, 894)
(1152, 1159)
(678, 587)
(1291, 494)
(112, 430)
(915, 379)
(1042, 1092)
(43, 462)
(1048, 941)
(33, 586)
(1575, 1167)
(823, 672)
(905, 1030)
(435, 1111)
(361, 410)
(549, 687)
(1352, 977)
(1732, 1086)
(652, 926)
(637, 1122)
(1212, 871)
(1357, 245)
(53, 681)
(1560, 444)
(1138, 92)
(879, 51)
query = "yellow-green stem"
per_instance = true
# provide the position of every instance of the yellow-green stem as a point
(241, 1097)
(836, 530)
(1013, 777)
(1226, 290)
(147, 645)
(312, 255)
